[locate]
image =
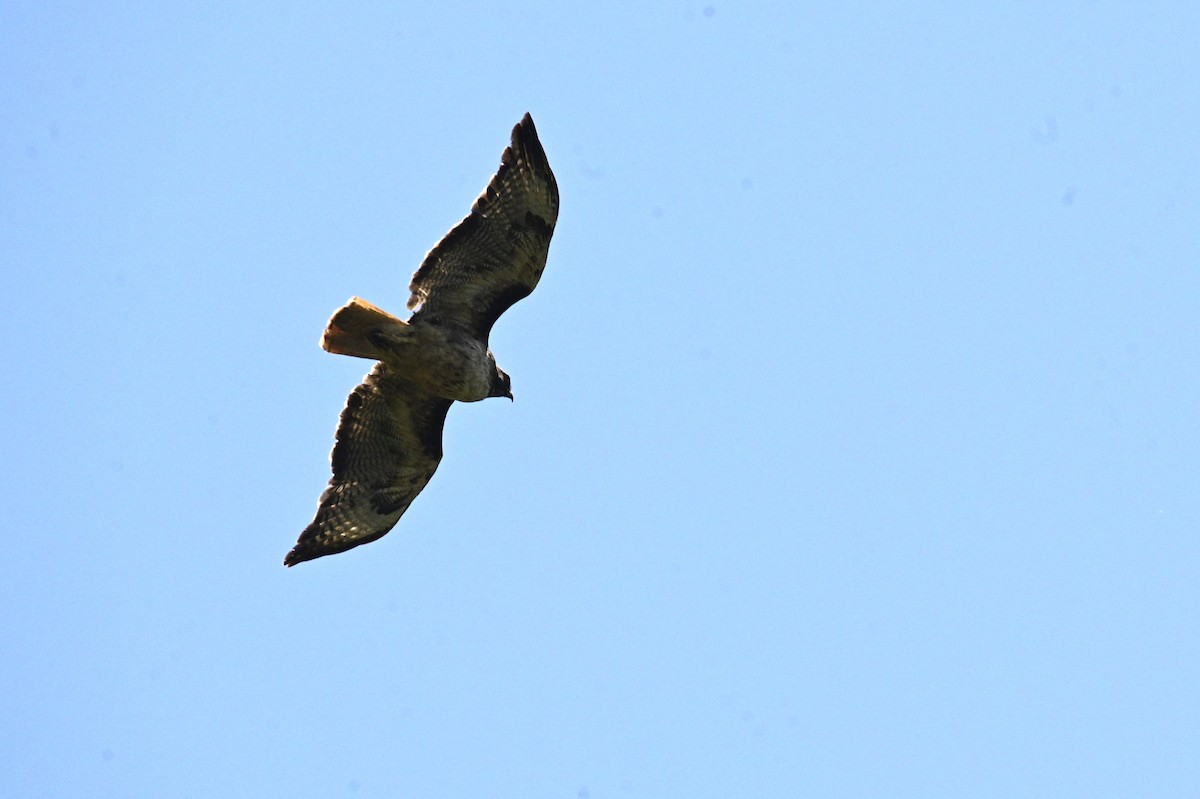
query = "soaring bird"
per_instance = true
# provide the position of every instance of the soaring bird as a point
(389, 437)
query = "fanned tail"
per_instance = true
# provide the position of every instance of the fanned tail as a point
(357, 327)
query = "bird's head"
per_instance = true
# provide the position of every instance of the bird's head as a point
(501, 384)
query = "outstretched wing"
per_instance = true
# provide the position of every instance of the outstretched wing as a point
(389, 443)
(495, 256)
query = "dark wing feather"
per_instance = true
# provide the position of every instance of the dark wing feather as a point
(495, 256)
(389, 443)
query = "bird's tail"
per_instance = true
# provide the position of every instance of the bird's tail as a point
(358, 328)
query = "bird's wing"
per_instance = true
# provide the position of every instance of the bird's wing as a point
(495, 256)
(389, 443)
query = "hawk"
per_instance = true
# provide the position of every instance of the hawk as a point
(389, 437)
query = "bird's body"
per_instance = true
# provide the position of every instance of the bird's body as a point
(439, 360)
(389, 437)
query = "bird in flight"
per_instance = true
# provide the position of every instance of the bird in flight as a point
(389, 437)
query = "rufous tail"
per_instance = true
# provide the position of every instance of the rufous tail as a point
(356, 326)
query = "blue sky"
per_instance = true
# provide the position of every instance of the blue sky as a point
(854, 450)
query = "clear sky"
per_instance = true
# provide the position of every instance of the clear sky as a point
(855, 443)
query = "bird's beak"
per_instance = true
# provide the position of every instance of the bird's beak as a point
(510, 396)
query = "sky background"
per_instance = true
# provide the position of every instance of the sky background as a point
(855, 443)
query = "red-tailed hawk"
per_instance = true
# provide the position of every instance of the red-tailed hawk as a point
(389, 438)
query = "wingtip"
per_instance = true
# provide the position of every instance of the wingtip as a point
(526, 146)
(300, 554)
(524, 131)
